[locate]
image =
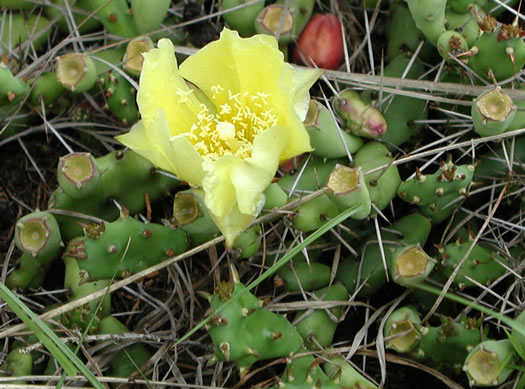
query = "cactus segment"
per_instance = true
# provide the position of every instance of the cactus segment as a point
(248, 242)
(483, 265)
(244, 332)
(112, 56)
(185, 208)
(410, 265)
(317, 328)
(449, 344)
(25, 5)
(451, 46)
(493, 112)
(126, 177)
(429, 16)
(123, 247)
(325, 137)
(126, 360)
(403, 320)
(17, 364)
(90, 313)
(303, 276)
(148, 17)
(493, 164)
(432, 193)
(115, 16)
(12, 89)
(401, 112)
(120, 96)
(47, 88)
(487, 364)
(302, 13)
(312, 214)
(464, 23)
(38, 234)
(269, 21)
(403, 35)
(242, 19)
(80, 11)
(30, 273)
(305, 372)
(361, 119)
(76, 72)
(314, 176)
(20, 30)
(459, 6)
(342, 373)
(347, 188)
(411, 229)
(499, 54)
(133, 58)
(274, 197)
(78, 175)
(191, 214)
(382, 185)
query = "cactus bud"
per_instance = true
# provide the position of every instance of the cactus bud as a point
(360, 118)
(321, 43)
(326, 138)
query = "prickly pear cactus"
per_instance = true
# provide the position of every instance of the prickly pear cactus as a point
(433, 193)
(243, 331)
(483, 265)
(124, 247)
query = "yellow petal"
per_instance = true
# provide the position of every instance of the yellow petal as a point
(141, 141)
(303, 79)
(187, 161)
(217, 184)
(173, 154)
(213, 65)
(161, 87)
(232, 224)
(253, 175)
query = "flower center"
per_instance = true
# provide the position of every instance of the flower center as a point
(232, 129)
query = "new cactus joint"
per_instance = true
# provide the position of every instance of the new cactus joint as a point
(261, 194)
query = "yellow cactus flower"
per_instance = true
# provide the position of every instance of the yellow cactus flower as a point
(223, 121)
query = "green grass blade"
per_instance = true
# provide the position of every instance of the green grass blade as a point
(281, 262)
(67, 359)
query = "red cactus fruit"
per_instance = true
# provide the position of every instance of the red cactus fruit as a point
(321, 42)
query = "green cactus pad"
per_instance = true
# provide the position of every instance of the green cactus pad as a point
(405, 319)
(382, 185)
(483, 264)
(317, 327)
(125, 246)
(244, 332)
